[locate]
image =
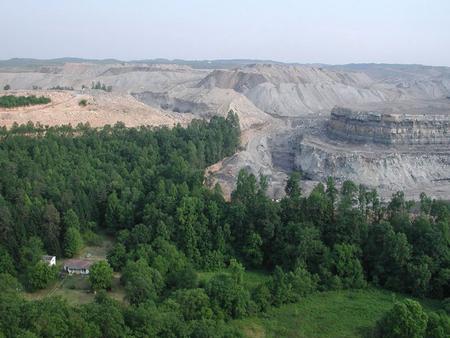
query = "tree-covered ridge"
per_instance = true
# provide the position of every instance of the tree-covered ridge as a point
(12, 101)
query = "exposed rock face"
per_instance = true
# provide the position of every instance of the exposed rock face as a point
(402, 129)
(383, 149)
(377, 167)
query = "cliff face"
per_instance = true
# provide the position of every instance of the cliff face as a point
(387, 170)
(369, 166)
(404, 147)
(396, 129)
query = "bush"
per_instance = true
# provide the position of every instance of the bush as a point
(347, 266)
(280, 288)
(261, 297)
(142, 283)
(405, 319)
(40, 276)
(100, 276)
(438, 325)
(302, 282)
(7, 87)
(228, 297)
(446, 305)
(82, 103)
(194, 304)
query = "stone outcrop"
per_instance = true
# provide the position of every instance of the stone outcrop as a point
(371, 166)
(404, 147)
(391, 129)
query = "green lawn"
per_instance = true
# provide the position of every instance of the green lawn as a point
(328, 314)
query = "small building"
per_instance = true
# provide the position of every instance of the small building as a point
(50, 260)
(77, 266)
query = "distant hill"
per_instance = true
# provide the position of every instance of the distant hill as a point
(27, 62)
(198, 64)
(385, 71)
(375, 70)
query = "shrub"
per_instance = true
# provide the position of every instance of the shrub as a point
(405, 319)
(100, 276)
(228, 297)
(261, 296)
(82, 103)
(438, 326)
(40, 276)
(446, 305)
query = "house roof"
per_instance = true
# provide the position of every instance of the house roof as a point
(77, 264)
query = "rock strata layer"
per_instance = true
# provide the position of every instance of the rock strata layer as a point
(390, 129)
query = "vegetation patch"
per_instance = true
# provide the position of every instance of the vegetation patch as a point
(12, 101)
(101, 86)
(58, 87)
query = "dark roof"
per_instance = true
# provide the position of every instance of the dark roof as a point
(77, 264)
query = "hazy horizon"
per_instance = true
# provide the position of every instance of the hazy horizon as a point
(328, 32)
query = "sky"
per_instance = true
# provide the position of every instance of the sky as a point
(315, 31)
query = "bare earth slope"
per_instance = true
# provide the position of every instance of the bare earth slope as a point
(102, 108)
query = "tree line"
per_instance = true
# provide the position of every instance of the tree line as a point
(101, 86)
(12, 101)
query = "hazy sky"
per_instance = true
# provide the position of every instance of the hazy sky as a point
(325, 31)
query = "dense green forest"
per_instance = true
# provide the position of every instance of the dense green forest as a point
(144, 186)
(12, 101)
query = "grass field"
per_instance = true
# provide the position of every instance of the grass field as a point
(330, 314)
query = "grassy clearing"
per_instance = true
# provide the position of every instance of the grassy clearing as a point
(97, 252)
(327, 314)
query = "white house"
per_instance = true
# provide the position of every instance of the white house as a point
(50, 260)
(77, 266)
